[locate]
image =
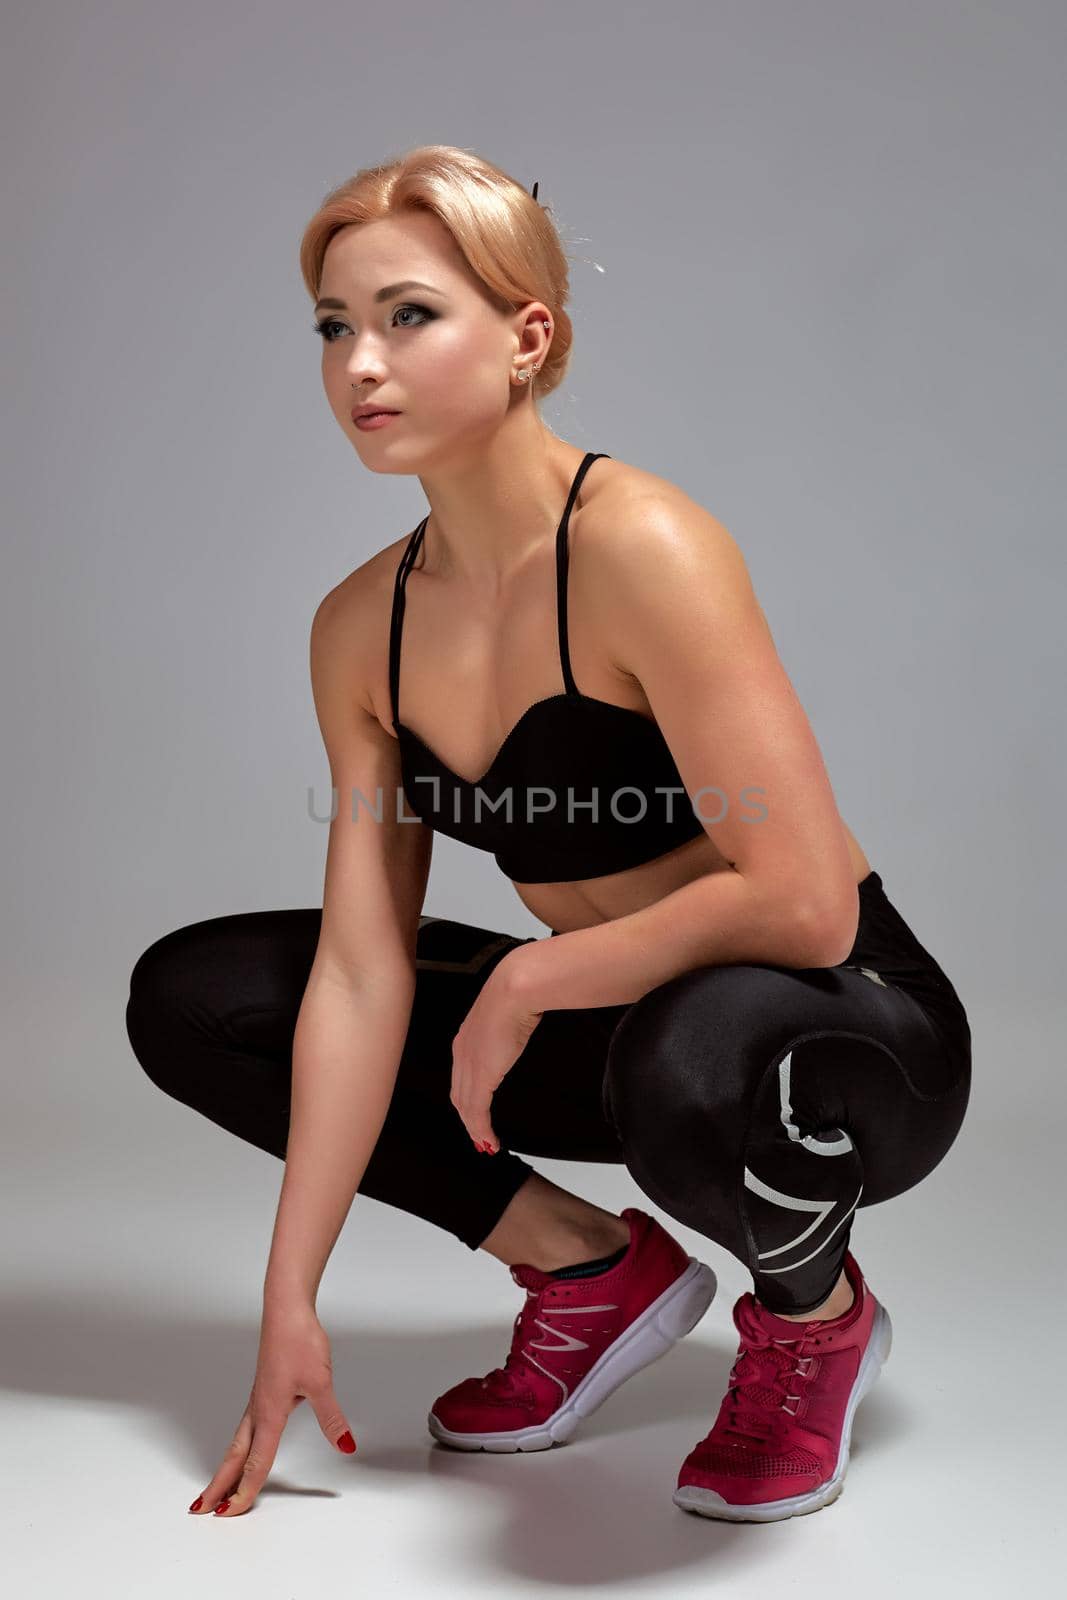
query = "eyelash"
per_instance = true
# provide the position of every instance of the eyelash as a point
(329, 322)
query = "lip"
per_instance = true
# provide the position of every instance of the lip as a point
(369, 420)
(367, 408)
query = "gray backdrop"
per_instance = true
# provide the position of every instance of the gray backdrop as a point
(817, 281)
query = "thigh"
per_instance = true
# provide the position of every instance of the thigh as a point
(231, 969)
(708, 1071)
(242, 977)
(237, 982)
(236, 979)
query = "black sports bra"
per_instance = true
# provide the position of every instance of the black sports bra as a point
(579, 788)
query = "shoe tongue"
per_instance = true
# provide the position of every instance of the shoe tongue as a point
(775, 1327)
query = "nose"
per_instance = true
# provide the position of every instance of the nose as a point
(365, 380)
(363, 365)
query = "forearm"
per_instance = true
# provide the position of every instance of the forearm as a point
(346, 1050)
(720, 919)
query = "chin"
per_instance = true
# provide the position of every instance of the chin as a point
(387, 469)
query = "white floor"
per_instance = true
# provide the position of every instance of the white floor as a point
(132, 1279)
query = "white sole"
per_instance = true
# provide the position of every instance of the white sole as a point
(658, 1329)
(706, 1503)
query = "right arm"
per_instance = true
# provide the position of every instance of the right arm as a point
(356, 1007)
(350, 1035)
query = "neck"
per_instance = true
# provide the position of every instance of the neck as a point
(492, 509)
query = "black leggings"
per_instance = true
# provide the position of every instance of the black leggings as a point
(758, 1105)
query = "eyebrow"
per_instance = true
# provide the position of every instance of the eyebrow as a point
(387, 293)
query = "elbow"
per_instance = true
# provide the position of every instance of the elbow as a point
(830, 931)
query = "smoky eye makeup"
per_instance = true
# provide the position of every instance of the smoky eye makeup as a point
(321, 325)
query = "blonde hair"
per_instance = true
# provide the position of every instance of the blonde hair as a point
(503, 233)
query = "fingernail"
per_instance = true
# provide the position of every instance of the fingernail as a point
(197, 1503)
(222, 1505)
(346, 1443)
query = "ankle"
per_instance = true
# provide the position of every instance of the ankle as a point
(842, 1299)
(568, 1247)
(548, 1227)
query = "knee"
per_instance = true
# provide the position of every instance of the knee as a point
(154, 973)
(677, 1060)
(158, 985)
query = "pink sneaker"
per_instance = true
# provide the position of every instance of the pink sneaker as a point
(554, 1376)
(779, 1446)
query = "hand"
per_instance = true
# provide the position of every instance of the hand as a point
(493, 1035)
(294, 1364)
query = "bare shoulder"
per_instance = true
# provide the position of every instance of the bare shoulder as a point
(354, 618)
(639, 522)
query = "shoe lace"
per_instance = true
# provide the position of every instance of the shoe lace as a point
(765, 1382)
(504, 1379)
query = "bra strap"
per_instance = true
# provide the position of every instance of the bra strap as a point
(403, 567)
(562, 559)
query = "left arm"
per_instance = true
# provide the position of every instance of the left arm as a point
(717, 920)
(676, 586)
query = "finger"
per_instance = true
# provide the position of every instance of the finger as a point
(475, 1118)
(230, 1468)
(258, 1463)
(481, 1129)
(332, 1420)
(480, 1132)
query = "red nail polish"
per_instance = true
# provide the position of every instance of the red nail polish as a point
(222, 1505)
(346, 1443)
(197, 1503)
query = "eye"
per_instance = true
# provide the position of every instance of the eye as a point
(422, 310)
(322, 328)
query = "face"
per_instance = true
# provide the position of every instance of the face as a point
(442, 359)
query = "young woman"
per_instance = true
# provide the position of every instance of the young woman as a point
(728, 1002)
